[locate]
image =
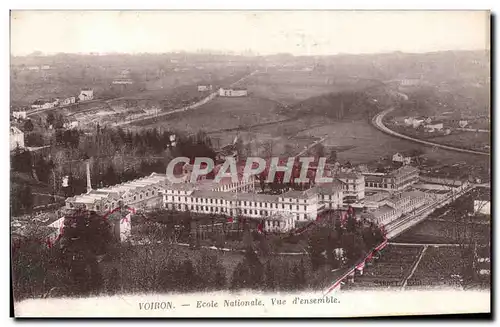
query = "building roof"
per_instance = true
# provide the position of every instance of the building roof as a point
(403, 171)
(346, 175)
(15, 130)
(383, 210)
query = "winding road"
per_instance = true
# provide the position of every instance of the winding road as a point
(377, 122)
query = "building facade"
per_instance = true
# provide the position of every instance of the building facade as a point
(86, 95)
(16, 138)
(233, 92)
(353, 186)
(399, 205)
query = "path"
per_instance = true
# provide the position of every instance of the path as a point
(424, 244)
(377, 122)
(414, 267)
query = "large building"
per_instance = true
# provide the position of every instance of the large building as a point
(399, 205)
(16, 138)
(86, 95)
(353, 186)
(300, 205)
(394, 181)
(140, 194)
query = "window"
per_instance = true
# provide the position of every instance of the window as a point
(297, 207)
(147, 193)
(135, 197)
(153, 192)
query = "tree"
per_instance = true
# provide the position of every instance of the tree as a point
(270, 278)
(319, 150)
(50, 118)
(86, 235)
(28, 126)
(333, 156)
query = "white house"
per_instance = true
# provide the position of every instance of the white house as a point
(86, 95)
(233, 92)
(398, 157)
(482, 206)
(414, 122)
(434, 127)
(19, 114)
(16, 138)
(68, 101)
(203, 88)
(71, 124)
(463, 123)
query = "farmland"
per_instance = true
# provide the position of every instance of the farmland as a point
(290, 87)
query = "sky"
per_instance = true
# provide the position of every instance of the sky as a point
(262, 32)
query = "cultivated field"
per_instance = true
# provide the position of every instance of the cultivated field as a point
(439, 267)
(220, 114)
(289, 87)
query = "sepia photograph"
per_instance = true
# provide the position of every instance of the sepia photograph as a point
(250, 163)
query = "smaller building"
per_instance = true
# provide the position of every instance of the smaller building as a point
(19, 114)
(413, 122)
(482, 207)
(71, 124)
(402, 158)
(16, 138)
(463, 123)
(68, 101)
(86, 95)
(434, 127)
(233, 92)
(203, 88)
(278, 223)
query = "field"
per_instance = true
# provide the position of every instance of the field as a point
(439, 267)
(466, 140)
(290, 87)
(221, 114)
(390, 270)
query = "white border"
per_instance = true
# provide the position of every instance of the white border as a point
(187, 4)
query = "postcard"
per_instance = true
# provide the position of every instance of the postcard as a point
(196, 163)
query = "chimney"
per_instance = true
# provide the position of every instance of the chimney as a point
(89, 185)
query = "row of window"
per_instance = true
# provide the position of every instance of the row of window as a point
(226, 202)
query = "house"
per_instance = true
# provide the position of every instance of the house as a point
(433, 127)
(233, 92)
(203, 88)
(86, 95)
(19, 114)
(428, 120)
(16, 138)
(68, 101)
(447, 131)
(394, 181)
(482, 207)
(353, 186)
(413, 122)
(45, 104)
(399, 157)
(463, 123)
(71, 124)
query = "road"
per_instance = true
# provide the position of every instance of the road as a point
(311, 146)
(377, 122)
(190, 107)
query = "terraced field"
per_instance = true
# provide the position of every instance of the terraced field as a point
(389, 271)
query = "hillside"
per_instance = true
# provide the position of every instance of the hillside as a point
(355, 105)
